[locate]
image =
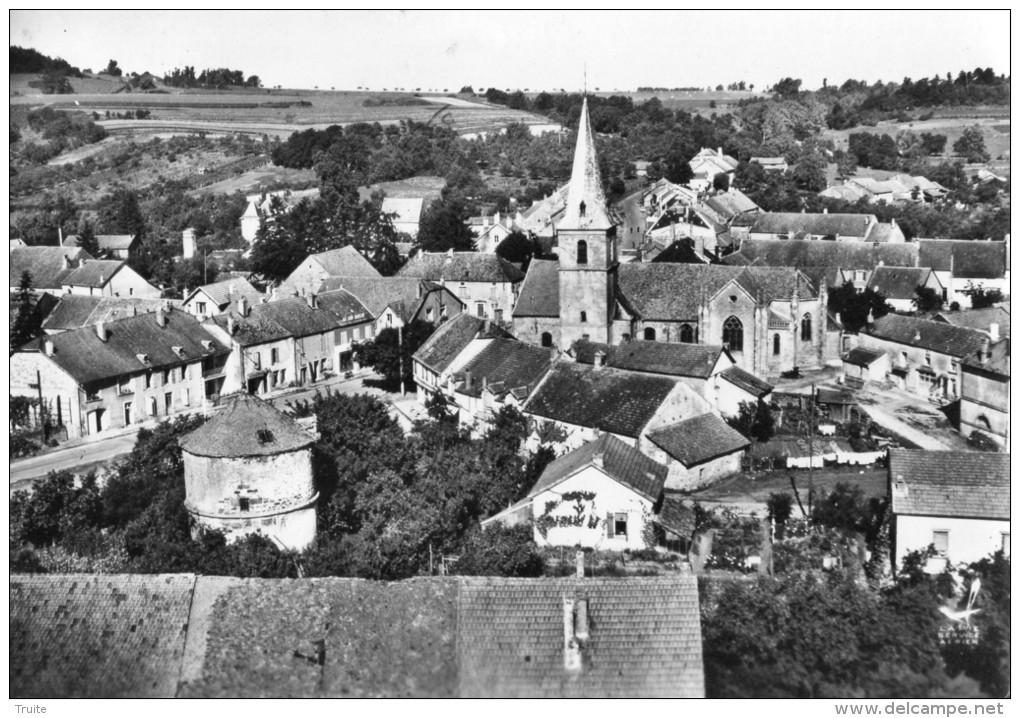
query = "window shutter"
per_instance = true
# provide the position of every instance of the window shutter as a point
(609, 525)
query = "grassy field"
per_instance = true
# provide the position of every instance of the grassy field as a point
(748, 488)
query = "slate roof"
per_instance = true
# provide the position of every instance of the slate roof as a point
(862, 357)
(842, 225)
(507, 364)
(674, 359)
(97, 636)
(461, 267)
(227, 291)
(898, 282)
(730, 204)
(823, 253)
(980, 319)
(925, 334)
(93, 273)
(959, 484)
(107, 242)
(623, 463)
(676, 516)
(699, 439)
(81, 310)
(540, 293)
(45, 264)
(448, 341)
(645, 638)
(968, 259)
(607, 399)
(345, 262)
(404, 294)
(747, 381)
(87, 359)
(240, 430)
(292, 317)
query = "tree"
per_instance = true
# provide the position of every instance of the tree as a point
(855, 307)
(120, 213)
(721, 182)
(26, 324)
(927, 299)
(112, 69)
(933, 144)
(754, 421)
(466, 90)
(500, 551)
(809, 172)
(787, 87)
(55, 510)
(87, 239)
(972, 145)
(386, 352)
(847, 509)
(980, 297)
(519, 248)
(443, 227)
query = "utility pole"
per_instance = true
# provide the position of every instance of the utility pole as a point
(42, 406)
(205, 267)
(400, 356)
(811, 455)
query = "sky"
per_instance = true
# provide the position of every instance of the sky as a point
(527, 49)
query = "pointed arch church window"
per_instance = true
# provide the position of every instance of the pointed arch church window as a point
(775, 344)
(649, 334)
(805, 328)
(686, 334)
(546, 339)
(733, 334)
(582, 252)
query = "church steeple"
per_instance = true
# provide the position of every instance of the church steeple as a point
(586, 203)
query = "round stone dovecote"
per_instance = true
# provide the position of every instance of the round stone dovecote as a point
(249, 470)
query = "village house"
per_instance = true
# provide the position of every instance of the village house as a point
(862, 365)
(111, 246)
(707, 164)
(47, 266)
(989, 320)
(697, 451)
(588, 401)
(772, 164)
(293, 341)
(963, 265)
(486, 283)
(984, 393)
(924, 356)
(397, 301)
(73, 311)
(309, 275)
(839, 227)
(264, 208)
(490, 230)
(601, 495)
(108, 278)
(117, 374)
(212, 299)
(449, 348)
(248, 470)
(543, 217)
(899, 285)
(955, 501)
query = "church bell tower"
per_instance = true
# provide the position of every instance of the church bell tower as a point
(587, 249)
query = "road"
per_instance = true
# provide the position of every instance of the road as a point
(103, 451)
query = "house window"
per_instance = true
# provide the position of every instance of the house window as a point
(584, 317)
(428, 314)
(244, 503)
(733, 334)
(257, 360)
(462, 290)
(125, 386)
(274, 356)
(200, 306)
(499, 315)
(805, 328)
(649, 334)
(954, 366)
(127, 412)
(153, 410)
(546, 339)
(940, 540)
(168, 402)
(616, 525)
(148, 380)
(775, 344)
(480, 308)
(442, 311)
(582, 251)
(187, 397)
(686, 334)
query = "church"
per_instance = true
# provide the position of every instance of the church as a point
(771, 319)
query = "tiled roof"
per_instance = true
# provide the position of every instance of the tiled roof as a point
(461, 267)
(377, 293)
(81, 310)
(293, 317)
(510, 363)
(730, 204)
(690, 360)
(247, 426)
(97, 636)
(776, 283)
(884, 234)
(843, 225)
(87, 358)
(107, 242)
(540, 293)
(823, 253)
(670, 292)
(448, 341)
(746, 381)
(980, 319)
(680, 252)
(847, 192)
(93, 273)
(644, 638)
(898, 282)
(227, 291)
(676, 516)
(862, 357)
(996, 361)
(699, 439)
(45, 264)
(345, 262)
(925, 334)
(959, 484)
(613, 401)
(967, 259)
(621, 462)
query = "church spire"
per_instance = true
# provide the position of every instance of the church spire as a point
(586, 203)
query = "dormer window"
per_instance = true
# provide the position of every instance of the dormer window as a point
(143, 358)
(179, 351)
(207, 345)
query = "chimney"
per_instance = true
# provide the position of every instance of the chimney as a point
(189, 240)
(719, 151)
(102, 279)
(161, 317)
(101, 331)
(581, 616)
(65, 263)
(571, 647)
(993, 331)
(468, 381)
(230, 324)
(485, 383)
(242, 306)
(313, 301)
(579, 563)
(598, 459)
(900, 487)
(60, 237)
(48, 347)
(986, 349)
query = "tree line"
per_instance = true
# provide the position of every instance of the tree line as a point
(218, 78)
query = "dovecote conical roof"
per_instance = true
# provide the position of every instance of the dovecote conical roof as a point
(585, 183)
(247, 426)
